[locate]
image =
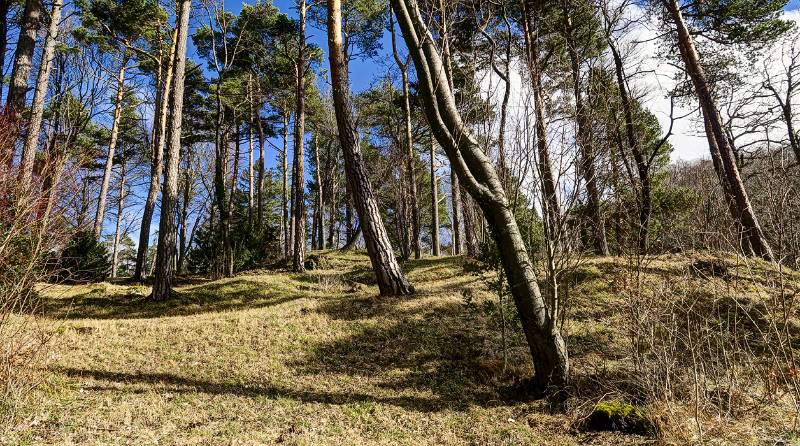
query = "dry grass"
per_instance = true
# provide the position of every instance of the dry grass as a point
(275, 357)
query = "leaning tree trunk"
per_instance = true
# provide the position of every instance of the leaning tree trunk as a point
(387, 270)
(717, 139)
(23, 56)
(164, 264)
(37, 107)
(112, 147)
(299, 254)
(157, 165)
(642, 165)
(539, 319)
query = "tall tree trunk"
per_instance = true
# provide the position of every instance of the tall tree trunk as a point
(250, 165)
(5, 6)
(220, 174)
(261, 161)
(550, 201)
(387, 270)
(118, 229)
(285, 222)
(112, 147)
(37, 107)
(299, 254)
(642, 165)
(163, 96)
(538, 318)
(435, 245)
(717, 139)
(230, 256)
(411, 178)
(23, 56)
(164, 272)
(184, 215)
(318, 234)
(456, 212)
(585, 146)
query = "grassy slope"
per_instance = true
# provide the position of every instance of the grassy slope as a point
(272, 357)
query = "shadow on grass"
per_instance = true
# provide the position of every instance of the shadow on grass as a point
(168, 382)
(230, 295)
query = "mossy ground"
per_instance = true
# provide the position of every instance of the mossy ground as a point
(276, 357)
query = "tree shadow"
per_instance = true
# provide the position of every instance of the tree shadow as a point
(172, 383)
(235, 294)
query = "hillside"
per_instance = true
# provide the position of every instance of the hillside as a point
(275, 357)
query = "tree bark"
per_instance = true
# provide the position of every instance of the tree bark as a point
(118, 229)
(411, 175)
(717, 139)
(550, 201)
(299, 254)
(164, 266)
(435, 245)
(250, 165)
(4, 8)
(539, 320)
(318, 234)
(387, 270)
(285, 222)
(585, 146)
(112, 147)
(163, 96)
(23, 56)
(261, 161)
(37, 106)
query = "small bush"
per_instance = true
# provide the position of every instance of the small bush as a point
(84, 259)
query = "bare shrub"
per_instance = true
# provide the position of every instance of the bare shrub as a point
(29, 236)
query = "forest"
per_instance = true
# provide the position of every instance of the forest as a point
(399, 222)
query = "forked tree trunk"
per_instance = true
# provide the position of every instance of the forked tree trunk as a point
(165, 254)
(387, 270)
(163, 95)
(299, 254)
(718, 141)
(37, 106)
(112, 147)
(539, 320)
(435, 245)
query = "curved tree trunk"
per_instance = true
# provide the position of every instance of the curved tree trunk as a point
(164, 264)
(37, 106)
(112, 147)
(387, 270)
(539, 320)
(718, 141)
